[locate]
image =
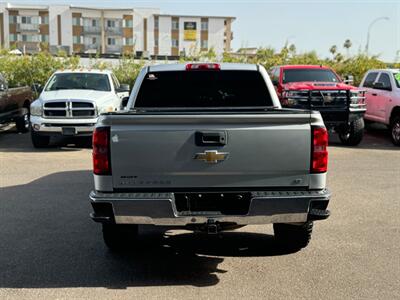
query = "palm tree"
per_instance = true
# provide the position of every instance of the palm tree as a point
(347, 44)
(333, 50)
(292, 49)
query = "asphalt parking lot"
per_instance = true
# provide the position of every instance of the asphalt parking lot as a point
(49, 248)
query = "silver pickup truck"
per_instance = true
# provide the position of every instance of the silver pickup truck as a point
(208, 147)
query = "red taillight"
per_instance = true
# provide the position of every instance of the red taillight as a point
(101, 151)
(319, 154)
(195, 67)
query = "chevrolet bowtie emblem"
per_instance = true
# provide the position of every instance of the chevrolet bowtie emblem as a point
(211, 156)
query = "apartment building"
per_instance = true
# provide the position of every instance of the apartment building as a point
(89, 30)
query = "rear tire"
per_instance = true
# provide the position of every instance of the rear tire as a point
(293, 237)
(395, 130)
(39, 141)
(352, 134)
(119, 237)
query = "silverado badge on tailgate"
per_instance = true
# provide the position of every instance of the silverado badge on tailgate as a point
(211, 156)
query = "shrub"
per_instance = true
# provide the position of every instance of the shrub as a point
(26, 70)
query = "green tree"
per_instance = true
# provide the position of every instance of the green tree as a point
(347, 45)
(333, 50)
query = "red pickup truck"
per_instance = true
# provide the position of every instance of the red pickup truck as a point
(320, 88)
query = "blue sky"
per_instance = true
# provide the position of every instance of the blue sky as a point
(310, 25)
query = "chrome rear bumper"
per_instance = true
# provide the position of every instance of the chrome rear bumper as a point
(159, 208)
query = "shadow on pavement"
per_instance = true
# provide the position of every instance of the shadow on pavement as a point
(12, 141)
(48, 240)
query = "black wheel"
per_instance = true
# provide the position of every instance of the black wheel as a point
(352, 134)
(119, 236)
(395, 130)
(22, 123)
(39, 141)
(293, 237)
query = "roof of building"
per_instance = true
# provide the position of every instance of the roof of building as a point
(195, 16)
(102, 8)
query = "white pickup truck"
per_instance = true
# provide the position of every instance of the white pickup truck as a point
(71, 102)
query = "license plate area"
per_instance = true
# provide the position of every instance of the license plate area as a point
(69, 131)
(212, 204)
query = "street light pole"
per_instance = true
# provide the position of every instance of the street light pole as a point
(369, 31)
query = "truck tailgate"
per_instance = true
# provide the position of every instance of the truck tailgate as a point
(163, 152)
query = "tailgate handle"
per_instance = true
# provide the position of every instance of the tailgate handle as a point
(216, 138)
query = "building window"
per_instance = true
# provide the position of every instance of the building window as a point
(13, 19)
(45, 20)
(128, 23)
(28, 38)
(110, 23)
(204, 44)
(156, 42)
(94, 23)
(128, 41)
(175, 43)
(156, 23)
(26, 20)
(44, 38)
(204, 25)
(77, 39)
(94, 40)
(111, 42)
(175, 25)
(13, 37)
(76, 21)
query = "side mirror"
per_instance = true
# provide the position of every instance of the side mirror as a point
(37, 87)
(381, 86)
(124, 102)
(124, 88)
(275, 82)
(349, 79)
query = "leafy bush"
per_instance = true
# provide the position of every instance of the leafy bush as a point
(27, 70)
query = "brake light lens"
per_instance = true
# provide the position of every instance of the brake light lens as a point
(319, 162)
(101, 151)
(199, 67)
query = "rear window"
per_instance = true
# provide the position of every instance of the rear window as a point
(313, 75)
(213, 89)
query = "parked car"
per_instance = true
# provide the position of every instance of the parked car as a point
(320, 88)
(383, 99)
(71, 102)
(14, 105)
(208, 147)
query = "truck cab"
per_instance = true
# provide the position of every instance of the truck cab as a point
(383, 99)
(320, 88)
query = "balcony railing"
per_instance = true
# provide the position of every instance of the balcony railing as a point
(92, 47)
(91, 29)
(114, 30)
(114, 49)
(27, 27)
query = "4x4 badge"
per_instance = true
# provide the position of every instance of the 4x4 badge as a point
(211, 156)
